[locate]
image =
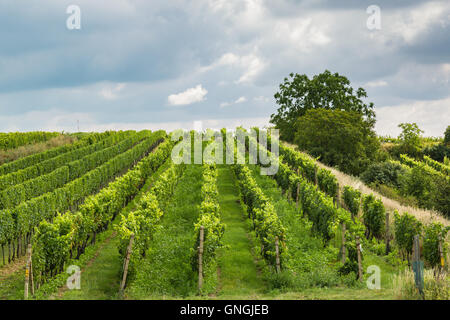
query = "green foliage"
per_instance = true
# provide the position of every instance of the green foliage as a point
(34, 159)
(298, 94)
(352, 199)
(441, 195)
(410, 138)
(262, 213)
(387, 173)
(209, 219)
(373, 216)
(437, 152)
(327, 182)
(447, 135)
(98, 210)
(437, 165)
(47, 166)
(406, 227)
(432, 232)
(351, 262)
(81, 161)
(340, 138)
(29, 214)
(17, 139)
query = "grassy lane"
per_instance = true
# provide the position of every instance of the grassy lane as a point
(238, 271)
(100, 280)
(315, 265)
(166, 273)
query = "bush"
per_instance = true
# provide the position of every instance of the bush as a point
(431, 243)
(419, 184)
(383, 173)
(373, 215)
(406, 227)
(437, 152)
(351, 199)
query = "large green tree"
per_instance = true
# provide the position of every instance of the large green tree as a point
(340, 138)
(298, 94)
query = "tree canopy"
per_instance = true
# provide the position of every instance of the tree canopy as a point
(340, 138)
(298, 94)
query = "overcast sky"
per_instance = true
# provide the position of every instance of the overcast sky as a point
(166, 64)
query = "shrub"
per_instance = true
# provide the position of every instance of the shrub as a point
(351, 199)
(406, 227)
(383, 173)
(431, 243)
(373, 215)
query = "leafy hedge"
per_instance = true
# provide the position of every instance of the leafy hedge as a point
(326, 180)
(71, 233)
(209, 218)
(143, 221)
(29, 214)
(29, 189)
(406, 227)
(432, 232)
(352, 199)
(31, 160)
(373, 216)
(47, 166)
(17, 139)
(265, 220)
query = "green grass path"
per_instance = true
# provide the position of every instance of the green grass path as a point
(238, 274)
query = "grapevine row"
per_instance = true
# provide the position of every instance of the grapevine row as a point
(17, 194)
(21, 220)
(209, 218)
(55, 243)
(17, 139)
(47, 166)
(31, 160)
(265, 220)
(438, 166)
(143, 220)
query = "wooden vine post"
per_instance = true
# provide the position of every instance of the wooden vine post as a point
(388, 236)
(28, 274)
(200, 259)
(359, 214)
(126, 263)
(298, 188)
(277, 252)
(315, 175)
(343, 243)
(358, 250)
(418, 266)
(336, 200)
(441, 256)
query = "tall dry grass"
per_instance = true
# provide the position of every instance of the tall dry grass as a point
(423, 215)
(23, 151)
(435, 288)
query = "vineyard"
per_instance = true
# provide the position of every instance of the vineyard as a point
(116, 215)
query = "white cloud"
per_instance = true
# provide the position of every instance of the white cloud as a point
(254, 67)
(241, 100)
(250, 65)
(261, 99)
(238, 100)
(428, 115)
(375, 84)
(189, 96)
(109, 93)
(410, 24)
